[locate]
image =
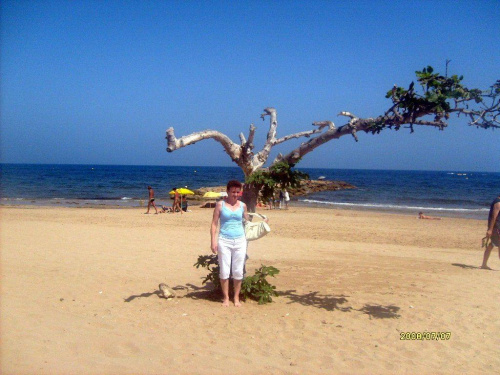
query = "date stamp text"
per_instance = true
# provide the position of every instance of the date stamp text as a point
(425, 336)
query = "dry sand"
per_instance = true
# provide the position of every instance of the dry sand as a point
(79, 295)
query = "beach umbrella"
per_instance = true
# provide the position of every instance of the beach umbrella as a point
(211, 194)
(182, 191)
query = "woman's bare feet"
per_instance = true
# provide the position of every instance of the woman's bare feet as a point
(237, 303)
(225, 303)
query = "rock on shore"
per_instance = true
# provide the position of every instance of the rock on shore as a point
(306, 187)
(313, 186)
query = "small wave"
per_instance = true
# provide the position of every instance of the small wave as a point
(126, 198)
(398, 207)
(99, 198)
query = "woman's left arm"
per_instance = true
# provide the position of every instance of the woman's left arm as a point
(245, 212)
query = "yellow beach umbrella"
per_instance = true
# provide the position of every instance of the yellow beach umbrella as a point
(211, 194)
(182, 191)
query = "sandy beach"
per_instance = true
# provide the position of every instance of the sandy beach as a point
(79, 295)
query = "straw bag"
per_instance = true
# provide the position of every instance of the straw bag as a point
(254, 231)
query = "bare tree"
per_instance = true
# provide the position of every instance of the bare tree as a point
(439, 98)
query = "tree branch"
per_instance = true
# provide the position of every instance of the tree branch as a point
(306, 134)
(251, 135)
(231, 148)
(243, 140)
(353, 126)
(261, 157)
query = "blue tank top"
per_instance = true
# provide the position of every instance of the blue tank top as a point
(231, 222)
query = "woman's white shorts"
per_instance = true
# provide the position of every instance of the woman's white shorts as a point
(231, 255)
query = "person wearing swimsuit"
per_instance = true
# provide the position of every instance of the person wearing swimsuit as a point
(151, 201)
(493, 232)
(229, 242)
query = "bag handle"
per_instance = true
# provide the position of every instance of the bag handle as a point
(264, 217)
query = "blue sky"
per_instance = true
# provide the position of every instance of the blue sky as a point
(99, 82)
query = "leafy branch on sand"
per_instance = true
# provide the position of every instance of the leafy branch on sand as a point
(255, 287)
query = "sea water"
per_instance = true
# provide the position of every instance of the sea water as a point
(443, 193)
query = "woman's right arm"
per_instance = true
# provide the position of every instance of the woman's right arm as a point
(213, 229)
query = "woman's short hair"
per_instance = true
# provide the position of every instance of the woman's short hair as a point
(233, 183)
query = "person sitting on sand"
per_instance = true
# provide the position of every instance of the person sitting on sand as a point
(165, 209)
(208, 205)
(184, 204)
(493, 232)
(229, 242)
(151, 200)
(422, 216)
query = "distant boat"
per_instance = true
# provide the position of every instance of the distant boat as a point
(321, 177)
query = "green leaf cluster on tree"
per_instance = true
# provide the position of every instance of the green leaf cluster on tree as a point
(279, 176)
(440, 97)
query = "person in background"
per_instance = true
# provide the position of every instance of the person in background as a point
(184, 204)
(422, 216)
(176, 207)
(151, 200)
(276, 200)
(493, 232)
(229, 242)
(287, 198)
(165, 209)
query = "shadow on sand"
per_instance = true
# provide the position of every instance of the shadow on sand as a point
(142, 295)
(205, 292)
(329, 303)
(332, 303)
(381, 312)
(469, 267)
(193, 292)
(314, 299)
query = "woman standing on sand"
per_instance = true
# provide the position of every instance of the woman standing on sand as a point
(229, 243)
